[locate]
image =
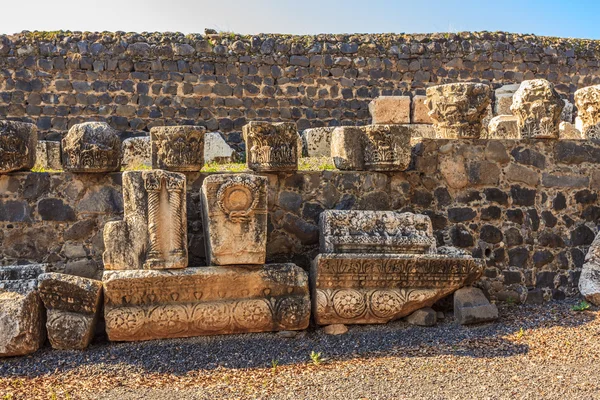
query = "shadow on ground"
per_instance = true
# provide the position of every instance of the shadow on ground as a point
(180, 356)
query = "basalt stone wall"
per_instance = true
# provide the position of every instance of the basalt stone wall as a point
(530, 208)
(222, 81)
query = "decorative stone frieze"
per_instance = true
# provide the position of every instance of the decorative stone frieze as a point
(153, 232)
(144, 305)
(72, 304)
(458, 109)
(91, 147)
(381, 232)
(178, 148)
(538, 108)
(587, 101)
(371, 147)
(235, 218)
(21, 310)
(18, 141)
(390, 110)
(503, 127)
(271, 146)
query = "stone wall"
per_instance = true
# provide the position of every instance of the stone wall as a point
(136, 81)
(530, 208)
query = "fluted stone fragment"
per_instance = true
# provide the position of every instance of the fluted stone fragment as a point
(538, 108)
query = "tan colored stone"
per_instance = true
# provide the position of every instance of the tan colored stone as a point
(420, 111)
(73, 305)
(371, 148)
(567, 131)
(153, 232)
(177, 148)
(48, 155)
(18, 141)
(335, 329)
(519, 173)
(145, 305)
(454, 172)
(216, 149)
(317, 141)
(390, 110)
(235, 218)
(420, 131)
(503, 127)
(21, 310)
(589, 282)
(588, 107)
(458, 109)
(504, 97)
(91, 147)
(136, 152)
(271, 146)
(538, 108)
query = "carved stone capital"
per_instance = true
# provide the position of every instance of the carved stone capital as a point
(587, 101)
(91, 147)
(177, 148)
(18, 141)
(271, 146)
(538, 108)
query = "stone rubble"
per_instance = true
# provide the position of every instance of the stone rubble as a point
(472, 307)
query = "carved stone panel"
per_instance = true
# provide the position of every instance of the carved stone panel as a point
(587, 101)
(271, 146)
(383, 232)
(538, 108)
(91, 147)
(235, 218)
(72, 305)
(21, 310)
(153, 233)
(178, 148)
(371, 148)
(18, 141)
(378, 288)
(145, 305)
(503, 127)
(458, 109)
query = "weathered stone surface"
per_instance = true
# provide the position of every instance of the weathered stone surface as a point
(235, 219)
(423, 317)
(153, 232)
(377, 288)
(420, 112)
(390, 110)
(589, 281)
(271, 146)
(472, 307)
(335, 329)
(567, 131)
(317, 141)
(136, 152)
(177, 148)
(18, 141)
(458, 109)
(504, 97)
(91, 147)
(382, 232)
(567, 113)
(216, 149)
(144, 305)
(371, 148)
(73, 305)
(588, 111)
(48, 155)
(503, 127)
(21, 310)
(421, 130)
(538, 107)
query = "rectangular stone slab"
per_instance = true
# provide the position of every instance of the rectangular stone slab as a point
(145, 305)
(234, 210)
(378, 288)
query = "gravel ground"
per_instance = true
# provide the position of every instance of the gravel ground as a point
(531, 352)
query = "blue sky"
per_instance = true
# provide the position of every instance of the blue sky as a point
(551, 17)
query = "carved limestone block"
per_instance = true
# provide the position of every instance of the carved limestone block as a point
(587, 101)
(371, 148)
(21, 310)
(47, 155)
(458, 109)
(72, 305)
(271, 146)
(153, 233)
(390, 110)
(538, 108)
(178, 148)
(235, 218)
(503, 127)
(144, 305)
(18, 141)
(317, 141)
(383, 232)
(91, 147)
(136, 152)
(378, 288)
